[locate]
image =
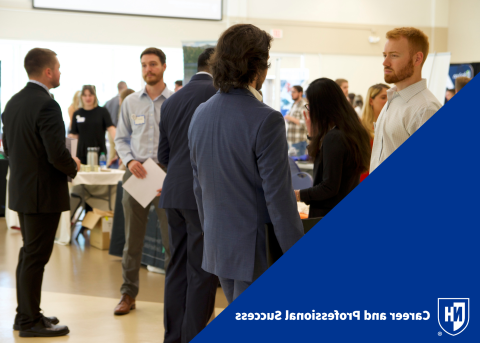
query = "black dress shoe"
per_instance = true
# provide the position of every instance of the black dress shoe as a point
(44, 328)
(53, 320)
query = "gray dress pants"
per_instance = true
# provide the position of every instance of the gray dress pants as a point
(136, 218)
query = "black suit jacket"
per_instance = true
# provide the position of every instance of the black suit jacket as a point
(173, 151)
(34, 140)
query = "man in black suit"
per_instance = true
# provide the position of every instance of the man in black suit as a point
(34, 140)
(189, 290)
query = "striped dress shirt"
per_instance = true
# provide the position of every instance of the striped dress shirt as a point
(402, 115)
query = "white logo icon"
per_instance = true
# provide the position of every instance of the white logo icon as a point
(453, 314)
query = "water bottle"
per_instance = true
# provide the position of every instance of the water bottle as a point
(103, 161)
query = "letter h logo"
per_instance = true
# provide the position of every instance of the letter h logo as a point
(453, 314)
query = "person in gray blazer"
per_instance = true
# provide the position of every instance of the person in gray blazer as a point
(239, 156)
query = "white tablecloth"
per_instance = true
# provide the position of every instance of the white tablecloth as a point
(98, 178)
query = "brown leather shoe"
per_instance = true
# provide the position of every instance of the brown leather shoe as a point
(126, 304)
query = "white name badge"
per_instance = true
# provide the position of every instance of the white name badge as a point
(139, 120)
(80, 119)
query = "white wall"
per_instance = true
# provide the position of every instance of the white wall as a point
(330, 35)
(371, 12)
(464, 31)
(63, 26)
(360, 71)
(19, 21)
(100, 65)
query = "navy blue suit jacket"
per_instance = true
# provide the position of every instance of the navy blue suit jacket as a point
(173, 152)
(242, 181)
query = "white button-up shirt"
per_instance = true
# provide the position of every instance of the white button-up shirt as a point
(138, 130)
(402, 115)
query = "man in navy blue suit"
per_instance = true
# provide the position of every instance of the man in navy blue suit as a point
(189, 290)
(239, 155)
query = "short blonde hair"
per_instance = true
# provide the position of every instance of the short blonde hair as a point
(417, 40)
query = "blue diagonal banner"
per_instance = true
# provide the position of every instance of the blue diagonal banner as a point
(374, 269)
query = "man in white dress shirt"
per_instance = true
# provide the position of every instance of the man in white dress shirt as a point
(410, 104)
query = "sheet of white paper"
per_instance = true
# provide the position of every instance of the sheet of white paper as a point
(145, 190)
(72, 144)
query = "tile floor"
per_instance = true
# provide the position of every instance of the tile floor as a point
(81, 287)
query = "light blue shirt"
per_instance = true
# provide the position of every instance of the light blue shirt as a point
(138, 133)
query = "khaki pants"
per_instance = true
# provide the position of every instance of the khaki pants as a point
(136, 218)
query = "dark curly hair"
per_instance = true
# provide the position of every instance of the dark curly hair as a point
(241, 54)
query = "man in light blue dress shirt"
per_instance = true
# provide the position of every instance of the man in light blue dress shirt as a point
(137, 140)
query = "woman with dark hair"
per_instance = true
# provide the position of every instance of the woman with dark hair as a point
(90, 122)
(339, 144)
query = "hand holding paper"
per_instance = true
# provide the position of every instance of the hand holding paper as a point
(137, 169)
(146, 189)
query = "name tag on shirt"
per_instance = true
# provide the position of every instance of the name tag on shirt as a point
(80, 119)
(139, 120)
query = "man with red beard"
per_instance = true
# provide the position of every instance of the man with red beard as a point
(136, 141)
(410, 104)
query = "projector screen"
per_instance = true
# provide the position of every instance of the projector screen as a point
(189, 9)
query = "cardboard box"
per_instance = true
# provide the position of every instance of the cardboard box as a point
(100, 227)
(103, 213)
(99, 239)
